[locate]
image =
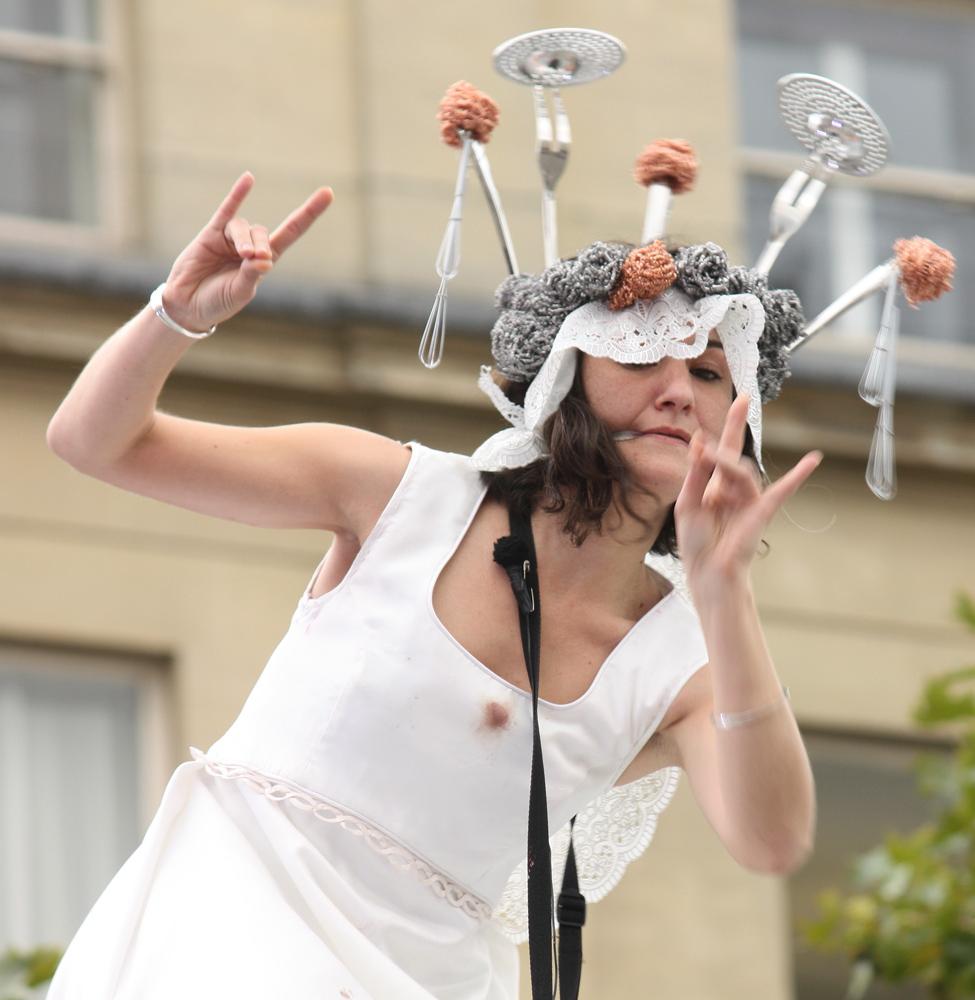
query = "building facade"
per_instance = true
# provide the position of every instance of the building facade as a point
(130, 630)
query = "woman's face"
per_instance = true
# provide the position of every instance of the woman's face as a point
(666, 401)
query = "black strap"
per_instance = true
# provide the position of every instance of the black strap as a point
(572, 915)
(516, 554)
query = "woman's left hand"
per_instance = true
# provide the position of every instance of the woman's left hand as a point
(722, 510)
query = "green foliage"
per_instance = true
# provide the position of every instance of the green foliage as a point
(25, 975)
(911, 913)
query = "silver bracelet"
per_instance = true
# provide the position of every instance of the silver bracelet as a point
(730, 720)
(156, 302)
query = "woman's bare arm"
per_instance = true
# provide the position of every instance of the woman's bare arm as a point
(310, 475)
(301, 475)
(112, 402)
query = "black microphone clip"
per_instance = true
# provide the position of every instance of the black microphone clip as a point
(512, 555)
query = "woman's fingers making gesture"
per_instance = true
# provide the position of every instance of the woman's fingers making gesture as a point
(218, 273)
(723, 510)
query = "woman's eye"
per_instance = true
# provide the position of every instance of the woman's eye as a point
(708, 374)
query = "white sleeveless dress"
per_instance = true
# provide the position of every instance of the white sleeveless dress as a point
(358, 832)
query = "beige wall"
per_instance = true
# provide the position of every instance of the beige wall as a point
(855, 594)
(346, 94)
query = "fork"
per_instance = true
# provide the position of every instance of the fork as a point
(552, 156)
(793, 204)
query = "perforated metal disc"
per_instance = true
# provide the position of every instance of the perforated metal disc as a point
(841, 129)
(558, 57)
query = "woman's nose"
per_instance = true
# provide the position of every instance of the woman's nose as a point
(673, 386)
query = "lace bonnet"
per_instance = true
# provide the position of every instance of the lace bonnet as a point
(636, 306)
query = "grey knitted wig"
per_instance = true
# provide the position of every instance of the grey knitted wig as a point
(533, 307)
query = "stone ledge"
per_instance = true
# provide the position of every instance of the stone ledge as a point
(348, 357)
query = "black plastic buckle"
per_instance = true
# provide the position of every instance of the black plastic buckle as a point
(571, 909)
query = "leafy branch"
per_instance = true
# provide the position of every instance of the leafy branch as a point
(25, 975)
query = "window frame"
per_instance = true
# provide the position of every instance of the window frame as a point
(151, 678)
(925, 365)
(112, 145)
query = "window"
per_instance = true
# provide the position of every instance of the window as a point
(55, 118)
(80, 750)
(865, 787)
(914, 67)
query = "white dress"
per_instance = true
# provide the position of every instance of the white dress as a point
(360, 831)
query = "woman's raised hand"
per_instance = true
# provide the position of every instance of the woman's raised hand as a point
(218, 273)
(722, 509)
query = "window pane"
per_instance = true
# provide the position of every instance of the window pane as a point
(918, 104)
(864, 789)
(68, 18)
(47, 133)
(761, 63)
(69, 787)
(914, 66)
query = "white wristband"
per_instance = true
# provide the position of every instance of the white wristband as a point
(156, 302)
(730, 720)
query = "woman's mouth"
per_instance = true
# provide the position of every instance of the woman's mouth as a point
(664, 435)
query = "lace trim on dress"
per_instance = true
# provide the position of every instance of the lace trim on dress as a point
(612, 831)
(394, 852)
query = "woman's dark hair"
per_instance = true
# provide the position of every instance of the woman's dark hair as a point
(580, 474)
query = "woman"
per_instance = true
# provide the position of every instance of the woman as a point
(391, 724)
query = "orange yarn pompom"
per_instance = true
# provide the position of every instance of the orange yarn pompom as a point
(646, 272)
(926, 269)
(667, 161)
(466, 107)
